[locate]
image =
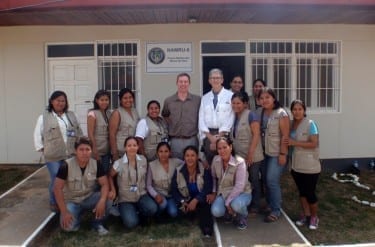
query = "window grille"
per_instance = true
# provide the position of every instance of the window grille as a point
(307, 70)
(117, 67)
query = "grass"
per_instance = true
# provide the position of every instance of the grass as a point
(10, 175)
(342, 221)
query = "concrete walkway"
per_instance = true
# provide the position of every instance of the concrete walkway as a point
(24, 212)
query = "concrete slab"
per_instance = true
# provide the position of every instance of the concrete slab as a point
(260, 233)
(24, 209)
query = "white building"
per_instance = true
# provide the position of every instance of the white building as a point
(323, 53)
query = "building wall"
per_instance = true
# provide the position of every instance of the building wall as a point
(23, 84)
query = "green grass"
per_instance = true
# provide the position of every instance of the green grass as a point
(10, 175)
(342, 221)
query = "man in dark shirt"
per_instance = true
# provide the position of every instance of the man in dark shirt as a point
(181, 112)
(75, 189)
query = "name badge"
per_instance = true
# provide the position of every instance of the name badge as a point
(70, 133)
(133, 188)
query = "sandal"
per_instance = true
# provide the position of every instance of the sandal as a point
(253, 212)
(271, 218)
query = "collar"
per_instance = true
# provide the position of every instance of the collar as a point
(125, 158)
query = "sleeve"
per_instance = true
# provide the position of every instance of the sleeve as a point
(142, 129)
(116, 166)
(253, 117)
(38, 136)
(201, 123)
(313, 128)
(239, 185)
(165, 112)
(207, 186)
(100, 170)
(91, 114)
(214, 179)
(229, 116)
(62, 173)
(150, 189)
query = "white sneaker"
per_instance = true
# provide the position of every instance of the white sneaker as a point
(101, 230)
(314, 222)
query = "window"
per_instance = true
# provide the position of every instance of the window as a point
(117, 66)
(307, 70)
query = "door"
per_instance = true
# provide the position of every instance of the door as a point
(78, 79)
(230, 65)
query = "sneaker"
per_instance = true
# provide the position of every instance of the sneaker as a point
(302, 221)
(314, 222)
(101, 230)
(242, 222)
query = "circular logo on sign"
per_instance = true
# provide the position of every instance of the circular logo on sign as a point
(156, 55)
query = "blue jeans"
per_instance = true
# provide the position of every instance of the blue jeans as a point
(53, 167)
(105, 161)
(256, 171)
(168, 204)
(86, 205)
(238, 204)
(130, 211)
(273, 192)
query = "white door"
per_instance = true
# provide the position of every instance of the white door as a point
(78, 79)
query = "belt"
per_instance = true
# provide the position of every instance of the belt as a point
(182, 137)
(213, 130)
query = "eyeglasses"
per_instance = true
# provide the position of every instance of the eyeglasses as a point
(216, 78)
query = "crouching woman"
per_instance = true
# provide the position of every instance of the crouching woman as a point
(231, 188)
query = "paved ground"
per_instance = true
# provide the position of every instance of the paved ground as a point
(24, 211)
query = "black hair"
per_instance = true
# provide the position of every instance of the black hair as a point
(98, 95)
(260, 80)
(82, 140)
(271, 92)
(161, 144)
(130, 138)
(242, 95)
(153, 102)
(55, 95)
(191, 147)
(298, 101)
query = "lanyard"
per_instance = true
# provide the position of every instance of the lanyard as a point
(136, 173)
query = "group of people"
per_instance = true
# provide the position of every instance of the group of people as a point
(155, 166)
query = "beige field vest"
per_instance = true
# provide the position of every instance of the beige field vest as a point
(161, 180)
(158, 132)
(226, 179)
(273, 133)
(125, 180)
(242, 141)
(126, 128)
(78, 187)
(101, 132)
(182, 184)
(305, 160)
(53, 142)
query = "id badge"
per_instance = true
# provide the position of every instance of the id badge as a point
(70, 133)
(133, 188)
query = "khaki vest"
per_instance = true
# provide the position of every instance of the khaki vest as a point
(126, 128)
(78, 187)
(305, 160)
(161, 180)
(182, 184)
(243, 138)
(158, 132)
(273, 133)
(101, 132)
(226, 180)
(53, 142)
(125, 178)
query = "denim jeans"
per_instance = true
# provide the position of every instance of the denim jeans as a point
(105, 161)
(86, 205)
(238, 204)
(53, 168)
(168, 204)
(130, 211)
(256, 171)
(273, 192)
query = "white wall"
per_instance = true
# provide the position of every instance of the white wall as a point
(22, 83)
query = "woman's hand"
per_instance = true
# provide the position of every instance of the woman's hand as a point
(210, 198)
(112, 195)
(192, 205)
(249, 160)
(282, 159)
(66, 220)
(159, 199)
(230, 210)
(99, 209)
(95, 153)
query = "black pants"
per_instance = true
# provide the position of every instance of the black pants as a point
(306, 184)
(203, 212)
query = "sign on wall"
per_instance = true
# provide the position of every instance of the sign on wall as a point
(169, 57)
